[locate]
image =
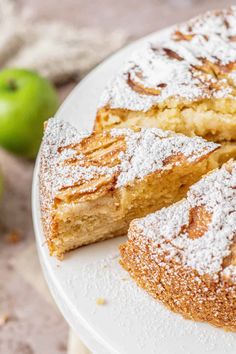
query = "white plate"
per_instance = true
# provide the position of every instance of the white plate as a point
(130, 322)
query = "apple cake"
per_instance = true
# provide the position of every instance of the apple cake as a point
(185, 255)
(185, 82)
(93, 185)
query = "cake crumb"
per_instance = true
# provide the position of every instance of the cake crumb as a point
(100, 301)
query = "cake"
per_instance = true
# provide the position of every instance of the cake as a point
(93, 184)
(226, 151)
(184, 82)
(185, 255)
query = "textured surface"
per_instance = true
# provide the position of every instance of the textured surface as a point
(46, 327)
(184, 82)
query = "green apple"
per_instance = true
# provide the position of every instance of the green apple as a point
(26, 101)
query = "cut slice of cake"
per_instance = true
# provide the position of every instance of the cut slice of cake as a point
(185, 82)
(92, 186)
(185, 254)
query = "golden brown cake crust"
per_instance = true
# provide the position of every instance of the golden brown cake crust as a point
(185, 255)
(182, 290)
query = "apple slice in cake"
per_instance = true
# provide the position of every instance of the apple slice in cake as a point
(92, 186)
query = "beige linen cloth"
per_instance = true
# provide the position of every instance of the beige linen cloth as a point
(60, 52)
(57, 50)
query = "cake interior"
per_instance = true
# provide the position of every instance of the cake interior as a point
(81, 222)
(213, 120)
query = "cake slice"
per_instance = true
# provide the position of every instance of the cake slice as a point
(185, 82)
(185, 254)
(92, 186)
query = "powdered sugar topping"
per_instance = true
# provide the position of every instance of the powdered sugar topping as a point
(148, 150)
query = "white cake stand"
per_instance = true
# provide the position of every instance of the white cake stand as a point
(130, 321)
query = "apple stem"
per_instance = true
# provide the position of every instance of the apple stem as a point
(12, 84)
